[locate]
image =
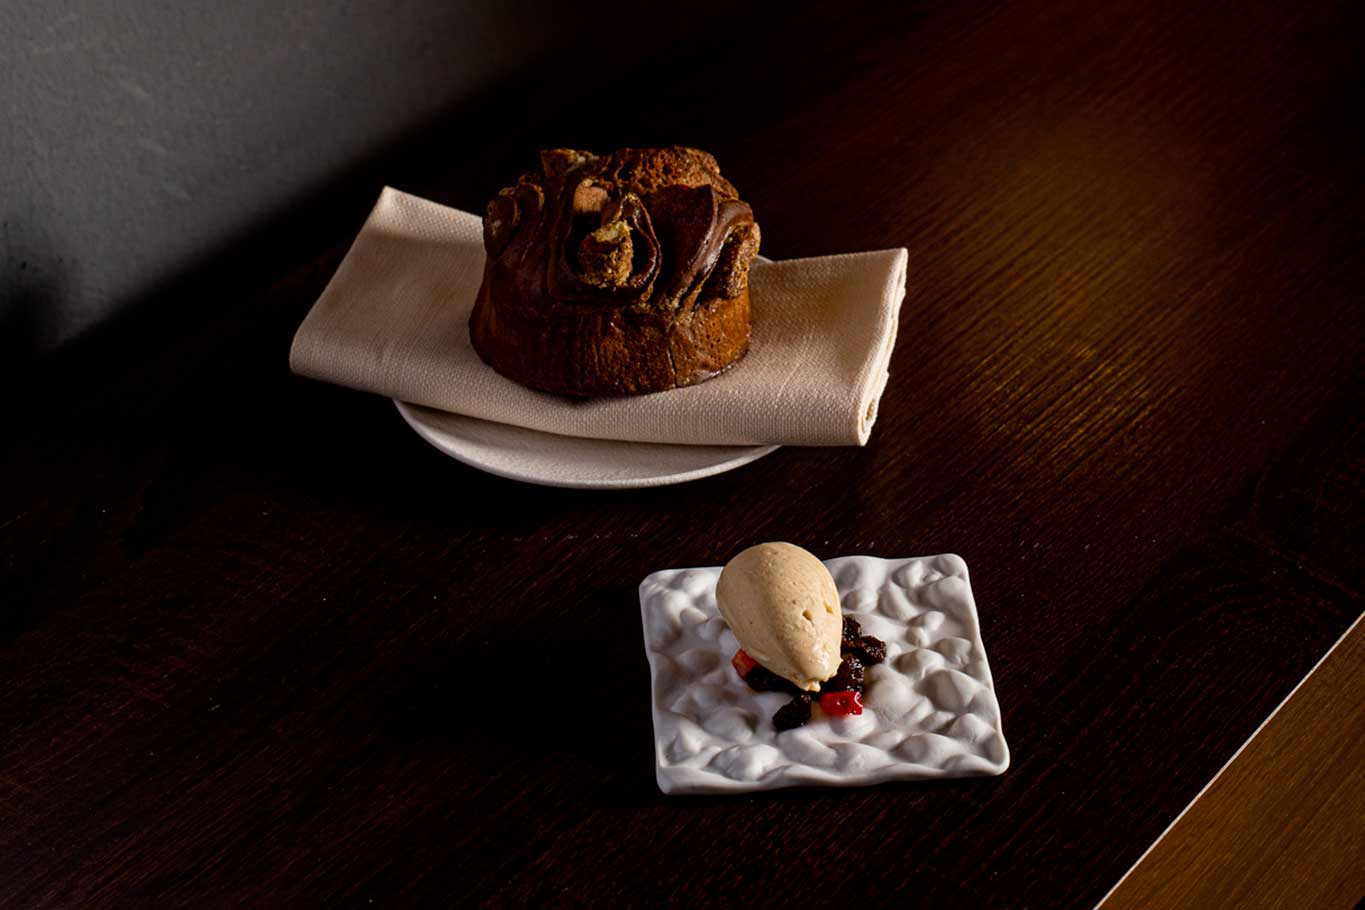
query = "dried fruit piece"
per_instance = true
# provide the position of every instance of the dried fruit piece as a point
(761, 679)
(743, 663)
(841, 704)
(849, 678)
(851, 629)
(794, 713)
(869, 650)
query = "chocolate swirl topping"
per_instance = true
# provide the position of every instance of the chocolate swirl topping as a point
(649, 231)
(644, 225)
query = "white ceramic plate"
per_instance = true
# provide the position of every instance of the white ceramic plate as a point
(567, 461)
(929, 710)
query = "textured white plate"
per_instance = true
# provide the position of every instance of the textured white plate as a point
(567, 461)
(929, 710)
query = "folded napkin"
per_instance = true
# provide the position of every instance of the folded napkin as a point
(394, 321)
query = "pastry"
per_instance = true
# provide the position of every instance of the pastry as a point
(620, 274)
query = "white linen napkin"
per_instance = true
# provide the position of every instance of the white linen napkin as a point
(394, 321)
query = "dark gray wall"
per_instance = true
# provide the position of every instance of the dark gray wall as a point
(137, 137)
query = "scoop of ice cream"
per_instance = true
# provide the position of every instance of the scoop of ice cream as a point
(781, 603)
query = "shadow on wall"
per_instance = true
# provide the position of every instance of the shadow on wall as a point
(157, 140)
(34, 287)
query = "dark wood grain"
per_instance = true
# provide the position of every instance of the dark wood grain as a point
(263, 646)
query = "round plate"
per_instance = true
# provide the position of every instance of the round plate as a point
(568, 461)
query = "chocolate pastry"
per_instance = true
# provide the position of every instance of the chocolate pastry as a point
(615, 275)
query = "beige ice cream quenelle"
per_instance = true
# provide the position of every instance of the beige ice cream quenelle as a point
(781, 603)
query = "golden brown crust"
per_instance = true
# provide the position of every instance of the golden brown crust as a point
(619, 274)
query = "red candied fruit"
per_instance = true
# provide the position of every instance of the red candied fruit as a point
(743, 663)
(841, 704)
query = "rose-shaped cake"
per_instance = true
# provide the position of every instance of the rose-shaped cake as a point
(616, 275)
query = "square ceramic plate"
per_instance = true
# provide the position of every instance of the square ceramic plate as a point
(930, 708)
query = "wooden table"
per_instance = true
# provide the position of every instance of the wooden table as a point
(260, 645)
